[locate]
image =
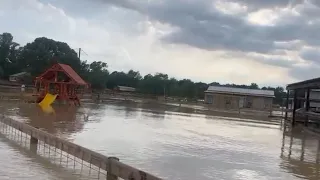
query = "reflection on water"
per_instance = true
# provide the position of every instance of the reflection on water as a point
(48, 109)
(174, 143)
(18, 163)
(300, 154)
(64, 121)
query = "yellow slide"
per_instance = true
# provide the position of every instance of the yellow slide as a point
(48, 100)
(47, 109)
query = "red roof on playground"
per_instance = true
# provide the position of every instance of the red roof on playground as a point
(72, 74)
(67, 70)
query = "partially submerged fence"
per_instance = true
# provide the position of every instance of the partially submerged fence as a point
(81, 160)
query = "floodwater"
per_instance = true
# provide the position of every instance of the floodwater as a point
(168, 143)
(18, 163)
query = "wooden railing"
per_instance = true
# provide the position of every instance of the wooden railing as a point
(111, 165)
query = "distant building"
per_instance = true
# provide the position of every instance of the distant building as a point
(125, 89)
(234, 98)
(18, 77)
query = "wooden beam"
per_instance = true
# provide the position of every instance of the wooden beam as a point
(112, 165)
(294, 108)
(307, 107)
(308, 99)
(287, 106)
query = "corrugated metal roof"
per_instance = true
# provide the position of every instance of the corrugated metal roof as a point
(310, 83)
(241, 91)
(126, 88)
(19, 74)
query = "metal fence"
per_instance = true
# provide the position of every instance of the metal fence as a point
(80, 161)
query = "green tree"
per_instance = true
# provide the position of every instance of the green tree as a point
(200, 89)
(279, 95)
(98, 74)
(119, 79)
(9, 52)
(254, 86)
(133, 78)
(43, 52)
(172, 87)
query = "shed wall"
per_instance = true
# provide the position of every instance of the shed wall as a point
(229, 101)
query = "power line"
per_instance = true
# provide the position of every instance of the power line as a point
(79, 53)
(84, 52)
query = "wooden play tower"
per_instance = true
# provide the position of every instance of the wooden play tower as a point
(62, 80)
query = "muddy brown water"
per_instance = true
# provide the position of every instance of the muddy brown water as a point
(166, 141)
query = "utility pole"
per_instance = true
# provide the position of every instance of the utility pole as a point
(79, 52)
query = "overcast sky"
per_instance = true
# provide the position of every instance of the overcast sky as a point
(270, 42)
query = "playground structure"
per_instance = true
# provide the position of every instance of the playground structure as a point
(59, 82)
(48, 99)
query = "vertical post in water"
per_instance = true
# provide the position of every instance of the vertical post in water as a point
(307, 107)
(317, 160)
(283, 141)
(290, 146)
(303, 144)
(111, 176)
(287, 106)
(294, 108)
(33, 143)
(318, 153)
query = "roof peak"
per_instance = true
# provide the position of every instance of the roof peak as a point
(68, 71)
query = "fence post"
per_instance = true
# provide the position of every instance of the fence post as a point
(111, 176)
(33, 143)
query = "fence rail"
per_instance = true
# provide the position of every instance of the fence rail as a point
(112, 167)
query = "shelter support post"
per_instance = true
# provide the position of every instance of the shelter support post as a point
(294, 108)
(307, 107)
(287, 106)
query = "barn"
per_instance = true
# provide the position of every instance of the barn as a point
(239, 98)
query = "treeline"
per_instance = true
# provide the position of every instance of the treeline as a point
(40, 54)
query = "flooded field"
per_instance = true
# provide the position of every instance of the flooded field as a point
(18, 163)
(169, 142)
